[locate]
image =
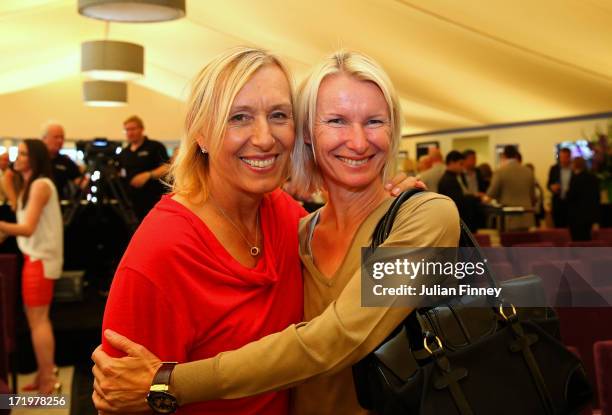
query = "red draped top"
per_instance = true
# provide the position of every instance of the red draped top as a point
(178, 292)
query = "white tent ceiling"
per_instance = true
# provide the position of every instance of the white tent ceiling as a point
(455, 63)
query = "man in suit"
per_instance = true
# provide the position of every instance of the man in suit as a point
(513, 185)
(559, 177)
(583, 201)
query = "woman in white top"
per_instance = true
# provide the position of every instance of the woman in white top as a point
(39, 232)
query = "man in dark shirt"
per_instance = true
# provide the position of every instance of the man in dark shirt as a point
(143, 162)
(559, 177)
(451, 185)
(583, 201)
(65, 171)
(472, 178)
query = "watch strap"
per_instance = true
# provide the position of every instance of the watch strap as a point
(161, 380)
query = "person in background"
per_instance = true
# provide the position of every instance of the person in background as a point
(538, 207)
(476, 190)
(432, 176)
(39, 231)
(8, 202)
(513, 185)
(175, 152)
(583, 201)
(4, 162)
(4, 167)
(144, 162)
(452, 185)
(408, 166)
(473, 179)
(66, 174)
(486, 173)
(559, 177)
(424, 163)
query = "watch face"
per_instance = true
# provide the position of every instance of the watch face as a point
(162, 403)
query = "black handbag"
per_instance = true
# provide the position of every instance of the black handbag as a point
(453, 359)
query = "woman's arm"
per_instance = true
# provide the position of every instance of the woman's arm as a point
(137, 307)
(342, 335)
(38, 198)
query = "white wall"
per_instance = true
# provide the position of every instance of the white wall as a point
(536, 142)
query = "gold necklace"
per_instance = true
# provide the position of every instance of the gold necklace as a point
(254, 249)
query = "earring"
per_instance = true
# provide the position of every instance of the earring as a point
(204, 151)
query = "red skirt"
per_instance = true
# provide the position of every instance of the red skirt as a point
(35, 288)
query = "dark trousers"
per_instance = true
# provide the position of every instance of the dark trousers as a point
(580, 230)
(560, 213)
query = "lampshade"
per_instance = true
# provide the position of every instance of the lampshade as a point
(104, 93)
(110, 60)
(135, 11)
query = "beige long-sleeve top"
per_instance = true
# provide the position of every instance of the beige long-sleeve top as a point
(318, 354)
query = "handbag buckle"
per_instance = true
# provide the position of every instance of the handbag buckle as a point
(503, 313)
(427, 344)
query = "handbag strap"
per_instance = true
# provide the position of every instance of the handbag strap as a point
(523, 345)
(383, 228)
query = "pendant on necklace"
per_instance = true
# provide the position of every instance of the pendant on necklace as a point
(254, 251)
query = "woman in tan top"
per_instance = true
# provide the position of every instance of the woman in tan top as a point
(349, 123)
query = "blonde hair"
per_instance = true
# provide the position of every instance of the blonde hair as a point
(212, 94)
(304, 170)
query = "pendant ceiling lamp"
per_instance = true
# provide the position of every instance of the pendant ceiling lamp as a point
(111, 60)
(104, 93)
(135, 11)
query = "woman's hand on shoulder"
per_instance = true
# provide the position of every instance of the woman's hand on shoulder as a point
(121, 384)
(402, 182)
